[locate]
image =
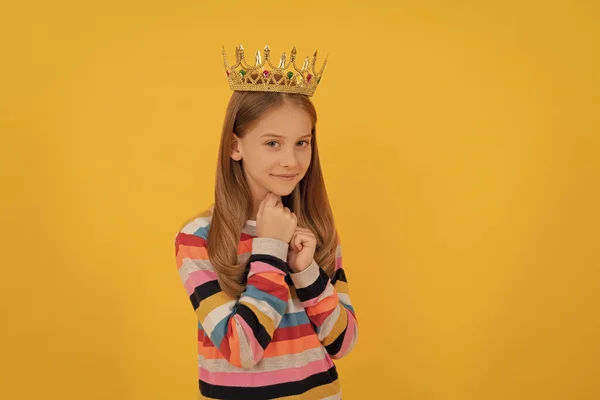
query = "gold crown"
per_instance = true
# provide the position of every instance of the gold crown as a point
(263, 76)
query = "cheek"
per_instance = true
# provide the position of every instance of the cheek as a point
(258, 163)
(305, 161)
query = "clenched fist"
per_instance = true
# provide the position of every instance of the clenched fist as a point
(302, 249)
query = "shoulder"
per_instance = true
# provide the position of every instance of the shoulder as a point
(195, 229)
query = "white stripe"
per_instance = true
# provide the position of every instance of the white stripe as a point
(334, 397)
(344, 298)
(216, 315)
(294, 306)
(246, 355)
(274, 247)
(190, 265)
(329, 323)
(307, 276)
(194, 225)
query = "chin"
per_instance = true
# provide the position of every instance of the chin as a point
(281, 191)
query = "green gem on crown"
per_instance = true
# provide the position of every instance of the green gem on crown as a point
(290, 74)
(242, 72)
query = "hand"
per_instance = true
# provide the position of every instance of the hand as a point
(273, 220)
(302, 249)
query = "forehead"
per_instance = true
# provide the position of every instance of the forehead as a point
(287, 120)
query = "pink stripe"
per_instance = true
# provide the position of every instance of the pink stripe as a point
(338, 263)
(315, 300)
(197, 278)
(256, 379)
(260, 266)
(349, 333)
(257, 351)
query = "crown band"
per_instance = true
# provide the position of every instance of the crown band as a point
(263, 76)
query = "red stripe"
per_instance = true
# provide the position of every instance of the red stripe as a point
(320, 318)
(224, 348)
(189, 240)
(293, 332)
(245, 236)
(193, 240)
(281, 334)
(204, 339)
(268, 286)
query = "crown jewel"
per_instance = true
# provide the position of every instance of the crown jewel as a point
(264, 76)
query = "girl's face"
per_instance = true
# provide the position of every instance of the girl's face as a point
(275, 151)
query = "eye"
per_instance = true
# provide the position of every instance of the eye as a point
(307, 143)
(268, 143)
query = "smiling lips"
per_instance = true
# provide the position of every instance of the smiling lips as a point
(287, 177)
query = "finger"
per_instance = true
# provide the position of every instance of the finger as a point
(306, 231)
(308, 240)
(298, 241)
(271, 200)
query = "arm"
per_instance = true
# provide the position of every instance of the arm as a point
(239, 329)
(327, 304)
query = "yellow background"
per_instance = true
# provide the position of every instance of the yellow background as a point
(459, 142)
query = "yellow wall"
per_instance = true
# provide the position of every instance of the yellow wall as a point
(460, 146)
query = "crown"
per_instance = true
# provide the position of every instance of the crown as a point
(263, 76)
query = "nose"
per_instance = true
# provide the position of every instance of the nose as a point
(289, 158)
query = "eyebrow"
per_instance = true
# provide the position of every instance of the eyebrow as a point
(281, 136)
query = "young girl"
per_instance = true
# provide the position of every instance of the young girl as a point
(263, 266)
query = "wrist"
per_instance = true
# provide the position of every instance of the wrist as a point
(305, 276)
(296, 270)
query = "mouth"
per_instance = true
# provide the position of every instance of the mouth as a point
(287, 177)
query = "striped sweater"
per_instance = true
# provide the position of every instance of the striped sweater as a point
(279, 338)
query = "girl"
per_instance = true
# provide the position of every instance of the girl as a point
(262, 266)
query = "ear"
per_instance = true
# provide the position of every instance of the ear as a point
(236, 154)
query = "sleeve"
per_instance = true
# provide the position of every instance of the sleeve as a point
(240, 328)
(328, 306)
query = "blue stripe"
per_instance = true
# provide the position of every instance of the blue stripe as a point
(294, 319)
(202, 232)
(349, 307)
(275, 302)
(200, 326)
(218, 333)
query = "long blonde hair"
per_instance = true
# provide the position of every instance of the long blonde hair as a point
(233, 205)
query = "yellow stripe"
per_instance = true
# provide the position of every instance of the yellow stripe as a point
(210, 303)
(264, 320)
(338, 327)
(341, 287)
